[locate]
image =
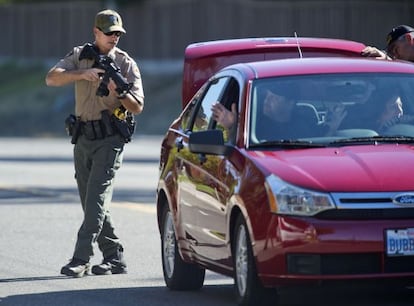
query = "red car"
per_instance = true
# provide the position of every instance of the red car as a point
(313, 182)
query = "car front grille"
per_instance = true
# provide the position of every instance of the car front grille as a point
(399, 264)
(367, 214)
(369, 206)
(348, 264)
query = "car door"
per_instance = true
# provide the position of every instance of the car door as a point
(204, 190)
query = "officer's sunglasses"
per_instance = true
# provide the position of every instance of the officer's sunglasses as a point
(116, 33)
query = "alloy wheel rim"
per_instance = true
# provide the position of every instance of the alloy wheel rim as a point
(241, 261)
(169, 246)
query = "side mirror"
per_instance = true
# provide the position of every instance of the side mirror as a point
(208, 142)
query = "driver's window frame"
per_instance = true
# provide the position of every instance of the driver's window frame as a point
(206, 101)
(230, 95)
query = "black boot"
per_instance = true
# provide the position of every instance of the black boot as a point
(113, 264)
(76, 268)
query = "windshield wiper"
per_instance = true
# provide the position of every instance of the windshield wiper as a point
(290, 143)
(376, 139)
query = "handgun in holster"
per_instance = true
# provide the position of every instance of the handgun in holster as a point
(124, 123)
(73, 128)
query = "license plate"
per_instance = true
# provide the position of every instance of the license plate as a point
(400, 242)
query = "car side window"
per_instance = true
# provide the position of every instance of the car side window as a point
(229, 98)
(212, 95)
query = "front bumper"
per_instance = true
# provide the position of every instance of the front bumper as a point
(298, 250)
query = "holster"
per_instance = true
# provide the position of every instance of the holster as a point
(125, 128)
(73, 127)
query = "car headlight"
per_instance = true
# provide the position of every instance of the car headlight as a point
(288, 199)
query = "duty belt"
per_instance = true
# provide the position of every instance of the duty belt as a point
(96, 129)
(109, 125)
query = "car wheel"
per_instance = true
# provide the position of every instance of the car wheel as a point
(249, 290)
(178, 275)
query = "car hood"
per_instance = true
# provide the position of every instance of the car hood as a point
(345, 169)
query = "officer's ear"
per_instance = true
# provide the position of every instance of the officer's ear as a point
(408, 38)
(95, 31)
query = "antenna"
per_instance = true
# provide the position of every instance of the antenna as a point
(297, 42)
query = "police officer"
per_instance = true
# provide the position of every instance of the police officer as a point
(98, 150)
(400, 45)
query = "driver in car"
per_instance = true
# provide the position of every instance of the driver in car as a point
(280, 118)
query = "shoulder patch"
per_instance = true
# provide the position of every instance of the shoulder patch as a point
(135, 69)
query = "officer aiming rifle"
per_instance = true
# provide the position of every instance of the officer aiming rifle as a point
(104, 100)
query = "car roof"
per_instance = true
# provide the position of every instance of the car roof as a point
(209, 48)
(202, 60)
(286, 67)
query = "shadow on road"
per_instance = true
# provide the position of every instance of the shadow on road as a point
(148, 296)
(46, 195)
(209, 295)
(66, 159)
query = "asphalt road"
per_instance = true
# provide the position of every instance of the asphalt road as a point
(40, 215)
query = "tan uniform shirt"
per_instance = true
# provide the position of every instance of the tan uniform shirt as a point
(88, 104)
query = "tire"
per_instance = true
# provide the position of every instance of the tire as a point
(178, 275)
(248, 288)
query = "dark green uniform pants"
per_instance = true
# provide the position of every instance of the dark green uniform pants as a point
(96, 162)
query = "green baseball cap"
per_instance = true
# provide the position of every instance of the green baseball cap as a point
(109, 21)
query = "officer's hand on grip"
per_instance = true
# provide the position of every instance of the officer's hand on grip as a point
(112, 88)
(92, 74)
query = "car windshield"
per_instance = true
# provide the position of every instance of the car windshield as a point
(332, 109)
